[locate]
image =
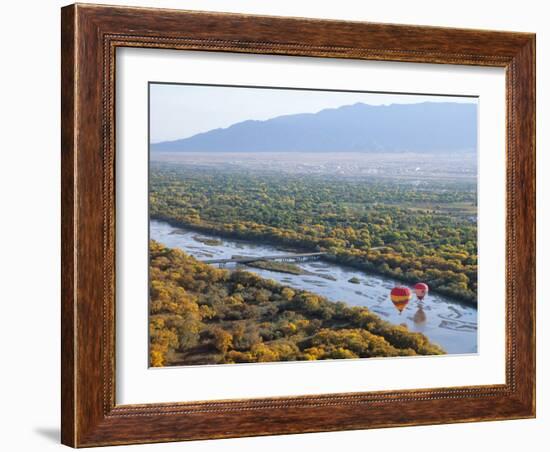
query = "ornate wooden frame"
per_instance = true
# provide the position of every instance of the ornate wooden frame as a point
(90, 35)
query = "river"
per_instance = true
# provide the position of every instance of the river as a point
(445, 321)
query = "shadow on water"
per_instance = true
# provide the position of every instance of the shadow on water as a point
(420, 316)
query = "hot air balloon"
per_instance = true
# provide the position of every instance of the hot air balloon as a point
(421, 290)
(400, 296)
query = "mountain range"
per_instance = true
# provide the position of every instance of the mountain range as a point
(428, 127)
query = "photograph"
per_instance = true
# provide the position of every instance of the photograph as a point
(294, 224)
(277, 220)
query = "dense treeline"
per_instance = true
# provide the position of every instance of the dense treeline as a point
(425, 232)
(203, 315)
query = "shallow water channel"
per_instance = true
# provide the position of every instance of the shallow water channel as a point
(447, 322)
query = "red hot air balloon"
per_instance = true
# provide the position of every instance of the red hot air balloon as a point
(400, 296)
(421, 290)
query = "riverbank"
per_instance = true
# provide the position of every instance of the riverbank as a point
(341, 259)
(217, 316)
(448, 322)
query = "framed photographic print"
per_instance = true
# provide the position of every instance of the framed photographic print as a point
(281, 225)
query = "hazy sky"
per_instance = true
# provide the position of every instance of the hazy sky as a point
(180, 111)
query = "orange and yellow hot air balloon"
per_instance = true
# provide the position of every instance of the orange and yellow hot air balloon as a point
(400, 296)
(421, 290)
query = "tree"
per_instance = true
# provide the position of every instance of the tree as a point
(222, 340)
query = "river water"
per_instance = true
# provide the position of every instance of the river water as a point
(444, 321)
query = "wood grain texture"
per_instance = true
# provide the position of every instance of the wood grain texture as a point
(90, 36)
